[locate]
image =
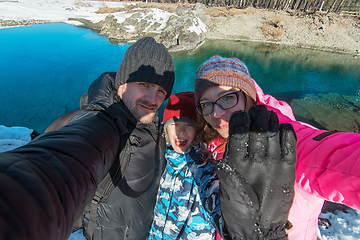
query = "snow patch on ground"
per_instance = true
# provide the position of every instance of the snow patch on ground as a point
(198, 26)
(13, 137)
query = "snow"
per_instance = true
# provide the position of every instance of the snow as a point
(61, 11)
(57, 11)
(198, 26)
(161, 16)
(343, 225)
(13, 137)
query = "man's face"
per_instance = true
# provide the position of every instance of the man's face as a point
(142, 99)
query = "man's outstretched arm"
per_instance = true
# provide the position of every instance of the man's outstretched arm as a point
(46, 184)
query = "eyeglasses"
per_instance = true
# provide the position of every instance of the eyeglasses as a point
(225, 102)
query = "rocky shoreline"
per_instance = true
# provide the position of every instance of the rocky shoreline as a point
(329, 32)
(189, 25)
(14, 23)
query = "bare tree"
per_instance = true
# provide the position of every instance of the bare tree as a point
(332, 6)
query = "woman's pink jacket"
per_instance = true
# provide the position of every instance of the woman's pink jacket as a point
(328, 168)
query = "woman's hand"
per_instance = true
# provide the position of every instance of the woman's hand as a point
(257, 175)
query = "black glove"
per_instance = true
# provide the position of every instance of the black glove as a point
(257, 175)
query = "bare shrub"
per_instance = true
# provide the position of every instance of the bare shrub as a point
(165, 7)
(110, 10)
(81, 3)
(273, 27)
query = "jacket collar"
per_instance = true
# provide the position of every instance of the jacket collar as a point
(120, 112)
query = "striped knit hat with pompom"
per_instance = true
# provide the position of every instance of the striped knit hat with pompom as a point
(220, 71)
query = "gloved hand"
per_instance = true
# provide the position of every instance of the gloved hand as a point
(257, 175)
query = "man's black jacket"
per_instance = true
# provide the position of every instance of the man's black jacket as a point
(47, 183)
(128, 213)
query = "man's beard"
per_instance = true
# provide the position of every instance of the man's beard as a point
(138, 115)
(146, 119)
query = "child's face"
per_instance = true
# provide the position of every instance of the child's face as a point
(181, 135)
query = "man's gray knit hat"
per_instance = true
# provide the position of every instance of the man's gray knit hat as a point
(147, 61)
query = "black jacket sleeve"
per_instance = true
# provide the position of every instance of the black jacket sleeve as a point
(46, 184)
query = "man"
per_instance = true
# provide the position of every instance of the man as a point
(63, 168)
(144, 80)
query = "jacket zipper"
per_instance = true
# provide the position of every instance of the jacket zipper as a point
(127, 229)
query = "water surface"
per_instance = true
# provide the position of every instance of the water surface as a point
(46, 68)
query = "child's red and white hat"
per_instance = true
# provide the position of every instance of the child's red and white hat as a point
(180, 107)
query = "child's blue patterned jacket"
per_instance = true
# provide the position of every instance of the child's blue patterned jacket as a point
(187, 204)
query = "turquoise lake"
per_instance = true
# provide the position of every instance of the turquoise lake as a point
(46, 68)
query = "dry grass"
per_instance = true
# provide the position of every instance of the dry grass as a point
(110, 10)
(217, 11)
(273, 27)
(169, 7)
(81, 3)
(271, 31)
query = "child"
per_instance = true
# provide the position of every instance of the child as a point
(188, 182)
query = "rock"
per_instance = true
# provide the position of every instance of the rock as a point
(133, 27)
(113, 30)
(184, 30)
(87, 23)
(11, 23)
(324, 222)
(34, 134)
(333, 207)
(329, 111)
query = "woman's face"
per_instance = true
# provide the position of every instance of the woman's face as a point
(219, 118)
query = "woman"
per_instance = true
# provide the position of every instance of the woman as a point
(224, 86)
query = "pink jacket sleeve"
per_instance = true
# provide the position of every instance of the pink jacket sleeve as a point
(328, 163)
